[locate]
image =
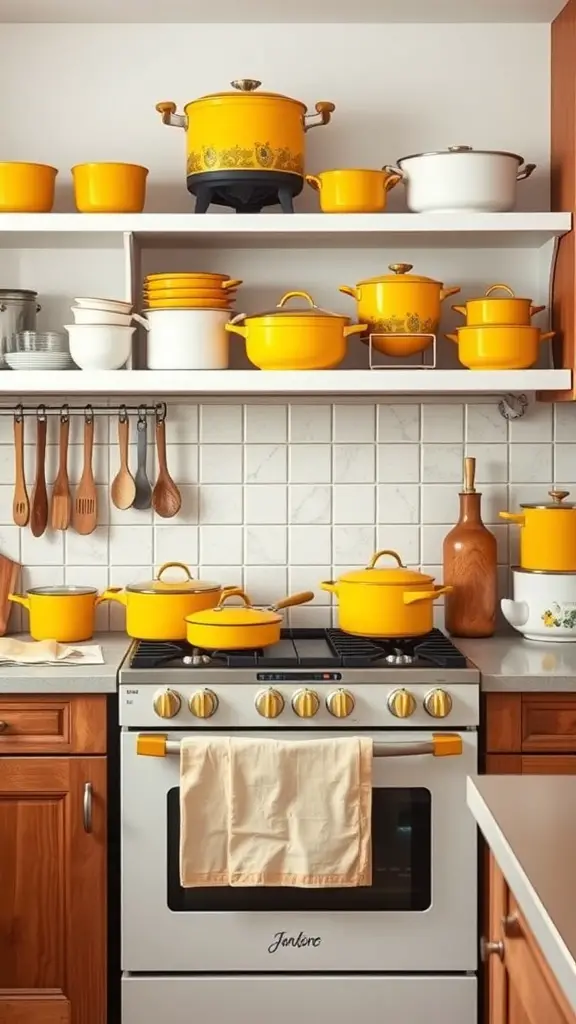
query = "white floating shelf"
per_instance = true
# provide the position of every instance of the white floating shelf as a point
(166, 383)
(277, 230)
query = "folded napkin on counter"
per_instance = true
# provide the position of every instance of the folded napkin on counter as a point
(47, 652)
(275, 812)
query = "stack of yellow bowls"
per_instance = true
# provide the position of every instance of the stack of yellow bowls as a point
(499, 334)
(189, 291)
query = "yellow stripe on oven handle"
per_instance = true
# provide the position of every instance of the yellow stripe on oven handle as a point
(151, 744)
(446, 744)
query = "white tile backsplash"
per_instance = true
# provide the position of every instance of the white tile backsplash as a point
(278, 497)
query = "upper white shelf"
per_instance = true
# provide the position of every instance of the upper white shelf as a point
(277, 230)
(306, 383)
(275, 11)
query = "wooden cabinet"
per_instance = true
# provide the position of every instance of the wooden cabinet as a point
(53, 907)
(530, 733)
(521, 988)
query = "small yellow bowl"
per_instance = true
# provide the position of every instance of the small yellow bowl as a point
(109, 188)
(26, 188)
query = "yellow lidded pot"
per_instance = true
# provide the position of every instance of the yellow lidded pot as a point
(401, 309)
(498, 309)
(240, 628)
(63, 613)
(547, 534)
(353, 190)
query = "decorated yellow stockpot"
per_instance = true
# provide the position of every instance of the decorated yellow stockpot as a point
(385, 601)
(63, 613)
(547, 534)
(245, 148)
(352, 190)
(400, 309)
(498, 309)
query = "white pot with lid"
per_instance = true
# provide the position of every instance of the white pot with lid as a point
(462, 179)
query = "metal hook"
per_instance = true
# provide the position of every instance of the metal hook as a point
(160, 411)
(513, 407)
(41, 413)
(64, 413)
(122, 414)
(19, 413)
(88, 414)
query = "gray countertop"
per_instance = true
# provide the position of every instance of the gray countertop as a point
(508, 662)
(69, 678)
(529, 823)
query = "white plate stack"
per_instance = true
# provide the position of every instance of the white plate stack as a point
(38, 350)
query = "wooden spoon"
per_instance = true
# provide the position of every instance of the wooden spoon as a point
(123, 489)
(21, 503)
(61, 504)
(166, 498)
(84, 511)
(39, 504)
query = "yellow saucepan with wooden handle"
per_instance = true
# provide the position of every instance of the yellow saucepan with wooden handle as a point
(226, 628)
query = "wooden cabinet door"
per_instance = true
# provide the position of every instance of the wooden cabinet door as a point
(548, 764)
(52, 890)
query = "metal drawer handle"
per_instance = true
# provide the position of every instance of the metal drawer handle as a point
(88, 807)
(3, 726)
(488, 948)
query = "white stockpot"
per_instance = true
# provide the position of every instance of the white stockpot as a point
(186, 339)
(544, 605)
(461, 179)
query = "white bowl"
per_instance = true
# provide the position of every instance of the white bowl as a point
(84, 315)
(100, 346)
(109, 305)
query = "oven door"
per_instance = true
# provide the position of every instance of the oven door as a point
(419, 914)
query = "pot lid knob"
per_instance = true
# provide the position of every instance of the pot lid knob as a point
(400, 268)
(245, 84)
(558, 496)
(459, 149)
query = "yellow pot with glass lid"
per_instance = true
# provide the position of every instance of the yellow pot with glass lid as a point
(498, 309)
(385, 601)
(400, 309)
(547, 533)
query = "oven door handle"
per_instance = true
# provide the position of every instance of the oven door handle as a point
(441, 745)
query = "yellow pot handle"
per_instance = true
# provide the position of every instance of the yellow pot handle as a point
(547, 335)
(513, 517)
(235, 328)
(385, 551)
(355, 329)
(24, 601)
(460, 309)
(296, 295)
(288, 602)
(233, 592)
(174, 565)
(169, 116)
(412, 597)
(330, 586)
(230, 284)
(503, 287)
(346, 290)
(114, 594)
(452, 337)
(314, 182)
(446, 292)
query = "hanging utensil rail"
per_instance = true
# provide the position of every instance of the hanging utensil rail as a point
(158, 409)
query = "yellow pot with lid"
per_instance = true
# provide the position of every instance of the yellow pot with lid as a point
(498, 309)
(353, 190)
(547, 534)
(400, 309)
(62, 612)
(385, 601)
(243, 627)
(308, 338)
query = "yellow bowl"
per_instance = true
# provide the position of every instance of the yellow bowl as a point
(109, 188)
(26, 188)
(206, 281)
(186, 303)
(499, 346)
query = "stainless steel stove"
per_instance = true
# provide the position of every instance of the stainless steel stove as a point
(406, 942)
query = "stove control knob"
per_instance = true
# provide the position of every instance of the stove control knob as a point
(438, 703)
(305, 703)
(203, 703)
(340, 703)
(269, 703)
(401, 703)
(167, 703)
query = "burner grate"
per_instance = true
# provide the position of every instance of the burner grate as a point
(360, 652)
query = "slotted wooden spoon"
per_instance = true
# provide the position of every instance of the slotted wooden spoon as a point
(123, 489)
(84, 510)
(39, 503)
(166, 498)
(61, 504)
(21, 503)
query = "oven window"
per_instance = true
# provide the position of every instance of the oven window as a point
(401, 865)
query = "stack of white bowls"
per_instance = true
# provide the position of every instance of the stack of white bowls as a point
(101, 335)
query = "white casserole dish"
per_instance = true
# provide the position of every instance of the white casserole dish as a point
(543, 606)
(186, 339)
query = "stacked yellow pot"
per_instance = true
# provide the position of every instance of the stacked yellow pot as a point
(499, 334)
(200, 290)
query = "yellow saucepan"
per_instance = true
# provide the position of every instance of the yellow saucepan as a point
(385, 601)
(156, 609)
(547, 534)
(26, 188)
(224, 628)
(491, 309)
(401, 309)
(109, 187)
(295, 339)
(352, 190)
(499, 346)
(62, 613)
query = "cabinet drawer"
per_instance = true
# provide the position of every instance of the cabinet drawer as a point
(548, 723)
(531, 979)
(53, 725)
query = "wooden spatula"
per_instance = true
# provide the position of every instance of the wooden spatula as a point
(39, 503)
(9, 573)
(84, 510)
(166, 498)
(61, 505)
(21, 503)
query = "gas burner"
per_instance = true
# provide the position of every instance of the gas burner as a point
(399, 657)
(197, 657)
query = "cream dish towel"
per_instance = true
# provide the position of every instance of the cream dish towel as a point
(47, 652)
(272, 812)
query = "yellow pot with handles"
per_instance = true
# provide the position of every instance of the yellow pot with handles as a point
(63, 613)
(352, 190)
(109, 187)
(385, 601)
(498, 309)
(499, 346)
(400, 309)
(26, 188)
(547, 534)
(295, 339)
